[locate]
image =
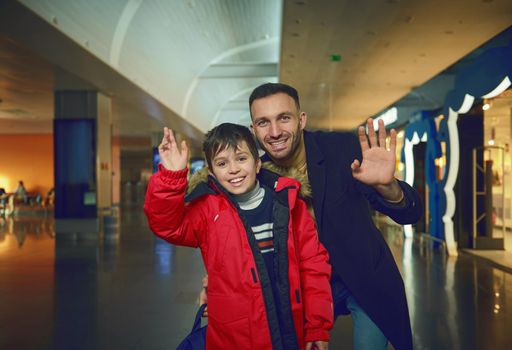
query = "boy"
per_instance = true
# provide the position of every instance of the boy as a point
(268, 273)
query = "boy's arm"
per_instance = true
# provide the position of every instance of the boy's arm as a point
(168, 216)
(315, 272)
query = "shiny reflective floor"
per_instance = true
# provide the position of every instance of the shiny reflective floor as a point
(129, 290)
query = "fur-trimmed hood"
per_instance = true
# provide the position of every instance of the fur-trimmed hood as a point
(305, 189)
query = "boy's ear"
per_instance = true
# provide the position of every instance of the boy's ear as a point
(209, 171)
(258, 166)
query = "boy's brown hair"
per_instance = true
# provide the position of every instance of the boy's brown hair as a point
(228, 135)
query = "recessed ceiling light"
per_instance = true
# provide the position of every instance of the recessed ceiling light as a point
(409, 19)
(295, 34)
(448, 32)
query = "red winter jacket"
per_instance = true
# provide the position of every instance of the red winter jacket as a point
(240, 310)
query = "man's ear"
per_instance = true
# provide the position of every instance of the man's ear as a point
(303, 118)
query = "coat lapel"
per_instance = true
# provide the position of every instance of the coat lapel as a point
(316, 175)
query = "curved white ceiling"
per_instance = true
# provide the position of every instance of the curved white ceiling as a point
(199, 58)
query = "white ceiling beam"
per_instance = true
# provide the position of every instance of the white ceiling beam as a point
(240, 70)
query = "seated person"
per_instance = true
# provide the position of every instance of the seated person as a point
(268, 272)
(4, 198)
(50, 198)
(21, 192)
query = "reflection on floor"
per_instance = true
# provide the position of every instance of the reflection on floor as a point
(129, 290)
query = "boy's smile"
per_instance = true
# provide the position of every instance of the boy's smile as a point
(236, 169)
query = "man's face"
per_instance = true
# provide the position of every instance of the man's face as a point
(236, 169)
(278, 125)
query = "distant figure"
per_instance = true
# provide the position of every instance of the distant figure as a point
(21, 192)
(4, 198)
(50, 198)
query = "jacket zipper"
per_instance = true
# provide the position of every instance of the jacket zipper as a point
(255, 279)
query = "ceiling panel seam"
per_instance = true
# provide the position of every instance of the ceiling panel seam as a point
(224, 55)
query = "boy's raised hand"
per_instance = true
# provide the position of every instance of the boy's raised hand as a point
(172, 157)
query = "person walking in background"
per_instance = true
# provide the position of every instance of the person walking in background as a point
(268, 272)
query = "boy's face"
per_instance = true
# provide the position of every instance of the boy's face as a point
(236, 169)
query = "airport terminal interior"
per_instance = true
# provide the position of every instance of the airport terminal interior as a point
(87, 86)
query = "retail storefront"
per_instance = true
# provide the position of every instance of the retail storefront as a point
(464, 149)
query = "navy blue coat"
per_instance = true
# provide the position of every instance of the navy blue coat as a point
(358, 252)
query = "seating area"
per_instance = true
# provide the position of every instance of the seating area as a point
(32, 204)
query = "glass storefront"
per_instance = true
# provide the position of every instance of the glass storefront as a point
(497, 139)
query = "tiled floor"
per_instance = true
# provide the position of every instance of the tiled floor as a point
(133, 291)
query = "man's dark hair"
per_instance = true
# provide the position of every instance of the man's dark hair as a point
(269, 89)
(227, 135)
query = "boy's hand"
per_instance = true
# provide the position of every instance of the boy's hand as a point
(171, 157)
(317, 345)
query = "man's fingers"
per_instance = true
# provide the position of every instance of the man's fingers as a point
(355, 165)
(382, 134)
(392, 141)
(371, 133)
(363, 140)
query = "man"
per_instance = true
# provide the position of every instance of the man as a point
(345, 175)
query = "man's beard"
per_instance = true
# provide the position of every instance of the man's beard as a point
(292, 152)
